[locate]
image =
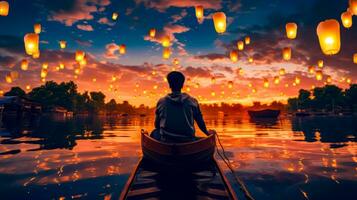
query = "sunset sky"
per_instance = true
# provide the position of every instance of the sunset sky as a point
(138, 76)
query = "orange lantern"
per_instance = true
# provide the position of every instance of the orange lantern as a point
(4, 8)
(63, 44)
(247, 40)
(80, 55)
(353, 6)
(45, 65)
(320, 63)
(165, 41)
(166, 53)
(287, 53)
(122, 49)
(61, 66)
(240, 45)
(36, 55)
(266, 83)
(220, 23)
(152, 32)
(37, 28)
(8, 79)
(346, 19)
(28, 87)
(355, 58)
(319, 75)
(328, 79)
(213, 80)
(282, 71)
(43, 73)
(328, 33)
(24, 64)
(291, 30)
(199, 13)
(297, 80)
(83, 62)
(115, 16)
(230, 84)
(233, 55)
(311, 69)
(276, 79)
(31, 43)
(176, 61)
(250, 59)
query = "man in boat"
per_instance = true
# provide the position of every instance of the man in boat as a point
(176, 113)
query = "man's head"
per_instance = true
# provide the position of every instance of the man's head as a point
(176, 80)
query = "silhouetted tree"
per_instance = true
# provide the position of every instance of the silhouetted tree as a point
(15, 91)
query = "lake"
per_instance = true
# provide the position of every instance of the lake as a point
(91, 157)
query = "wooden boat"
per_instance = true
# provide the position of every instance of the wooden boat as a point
(267, 113)
(153, 178)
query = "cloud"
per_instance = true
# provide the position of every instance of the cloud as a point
(106, 21)
(211, 56)
(111, 51)
(162, 5)
(85, 27)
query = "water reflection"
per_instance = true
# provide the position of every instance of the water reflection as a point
(91, 157)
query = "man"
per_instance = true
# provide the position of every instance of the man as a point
(176, 113)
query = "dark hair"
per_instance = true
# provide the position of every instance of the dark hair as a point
(176, 80)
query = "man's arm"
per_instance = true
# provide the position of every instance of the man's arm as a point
(199, 120)
(157, 119)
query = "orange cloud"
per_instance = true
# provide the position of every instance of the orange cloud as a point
(85, 27)
(162, 5)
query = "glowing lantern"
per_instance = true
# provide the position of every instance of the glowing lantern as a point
(63, 44)
(165, 41)
(37, 28)
(346, 19)
(320, 63)
(276, 79)
(80, 55)
(166, 53)
(234, 55)
(199, 13)
(213, 94)
(122, 49)
(213, 80)
(353, 6)
(94, 80)
(247, 40)
(250, 85)
(175, 61)
(152, 32)
(266, 83)
(240, 71)
(219, 20)
(77, 71)
(311, 69)
(83, 62)
(240, 45)
(287, 53)
(297, 80)
(348, 80)
(115, 16)
(254, 90)
(291, 30)
(329, 79)
(43, 73)
(4, 8)
(31, 43)
(282, 71)
(28, 87)
(250, 60)
(355, 58)
(319, 75)
(8, 79)
(24, 64)
(329, 36)
(36, 55)
(230, 84)
(61, 66)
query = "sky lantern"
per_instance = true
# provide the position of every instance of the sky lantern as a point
(61, 66)
(220, 23)
(165, 41)
(250, 59)
(45, 65)
(319, 75)
(199, 13)
(152, 32)
(83, 62)
(8, 79)
(355, 58)
(166, 53)
(320, 63)
(233, 55)
(80, 55)
(328, 33)
(24, 64)
(311, 69)
(176, 61)
(230, 84)
(353, 6)
(346, 19)
(43, 73)
(282, 71)
(31, 43)
(240, 45)
(276, 80)
(247, 40)
(348, 80)
(122, 49)
(213, 80)
(28, 87)
(37, 28)
(115, 16)
(287, 53)
(4, 8)
(328, 79)
(297, 80)
(250, 85)
(266, 83)
(291, 30)
(63, 44)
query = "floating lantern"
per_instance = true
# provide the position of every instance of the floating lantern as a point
(165, 41)
(152, 32)
(80, 55)
(276, 79)
(166, 53)
(282, 71)
(355, 58)
(266, 83)
(247, 40)
(287, 53)
(219, 20)
(199, 13)
(297, 80)
(254, 90)
(83, 62)
(319, 75)
(240, 71)
(328, 33)
(8, 79)
(94, 80)
(24, 64)
(250, 85)
(250, 59)
(37, 28)
(176, 61)
(122, 49)
(230, 84)
(213, 94)
(240, 45)
(63, 44)
(45, 65)
(4, 8)
(346, 19)
(320, 63)
(115, 16)
(28, 87)
(348, 80)
(31, 43)
(43, 73)
(328, 79)
(61, 66)
(291, 30)
(311, 69)
(36, 55)
(213, 80)
(233, 55)
(353, 6)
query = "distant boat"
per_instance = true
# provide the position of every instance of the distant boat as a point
(266, 113)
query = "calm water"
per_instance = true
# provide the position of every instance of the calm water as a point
(91, 158)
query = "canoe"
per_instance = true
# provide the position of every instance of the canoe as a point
(152, 180)
(267, 113)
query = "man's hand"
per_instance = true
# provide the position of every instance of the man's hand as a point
(211, 132)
